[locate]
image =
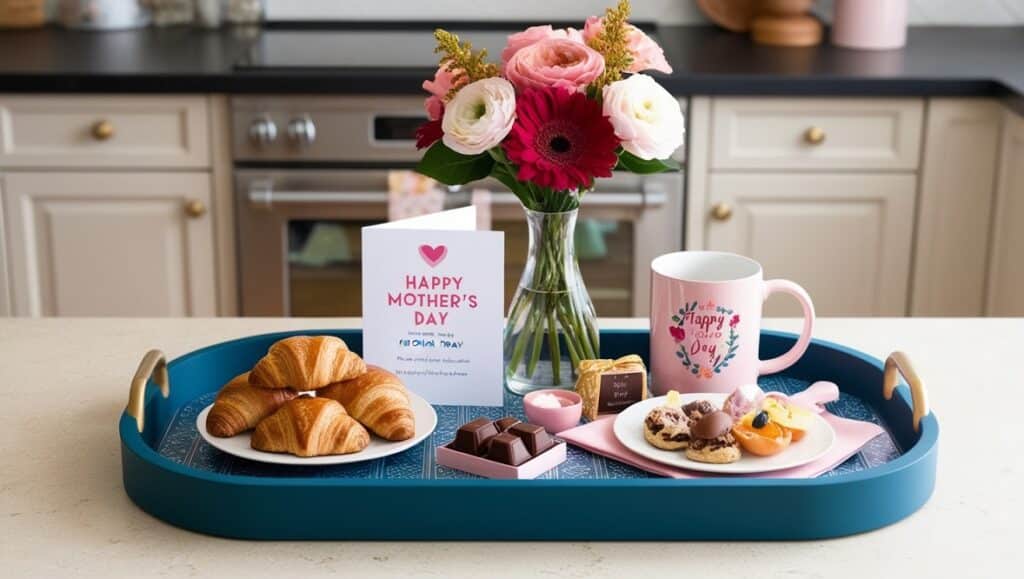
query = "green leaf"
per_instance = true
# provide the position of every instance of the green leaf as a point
(630, 162)
(498, 154)
(451, 168)
(520, 190)
(506, 174)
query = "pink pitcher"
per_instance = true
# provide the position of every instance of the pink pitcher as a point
(706, 321)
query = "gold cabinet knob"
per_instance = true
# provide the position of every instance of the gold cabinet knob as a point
(102, 130)
(815, 135)
(195, 208)
(721, 211)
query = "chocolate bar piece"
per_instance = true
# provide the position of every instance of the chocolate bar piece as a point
(508, 448)
(474, 437)
(534, 437)
(504, 424)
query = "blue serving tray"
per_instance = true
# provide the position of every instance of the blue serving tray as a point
(170, 472)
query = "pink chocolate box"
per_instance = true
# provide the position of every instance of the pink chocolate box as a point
(487, 468)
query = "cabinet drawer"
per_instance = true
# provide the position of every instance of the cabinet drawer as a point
(769, 133)
(103, 131)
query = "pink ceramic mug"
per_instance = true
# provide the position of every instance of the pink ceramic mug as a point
(706, 321)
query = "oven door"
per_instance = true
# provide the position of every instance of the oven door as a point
(299, 237)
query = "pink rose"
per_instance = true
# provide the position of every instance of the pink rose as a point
(647, 55)
(554, 62)
(535, 34)
(438, 89)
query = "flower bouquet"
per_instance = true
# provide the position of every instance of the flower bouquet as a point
(565, 107)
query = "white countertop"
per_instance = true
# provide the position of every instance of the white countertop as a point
(63, 512)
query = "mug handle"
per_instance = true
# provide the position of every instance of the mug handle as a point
(786, 360)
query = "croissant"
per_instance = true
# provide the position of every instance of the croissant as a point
(378, 400)
(310, 427)
(240, 406)
(307, 363)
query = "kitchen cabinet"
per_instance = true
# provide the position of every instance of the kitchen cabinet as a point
(110, 244)
(109, 205)
(103, 131)
(820, 191)
(958, 176)
(845, 238)
(1006, 265)
(5, 296)
(815, 134)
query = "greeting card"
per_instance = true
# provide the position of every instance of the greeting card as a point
(433, 305)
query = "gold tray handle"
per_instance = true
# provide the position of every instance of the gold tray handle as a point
(896, 365)
(153, 365)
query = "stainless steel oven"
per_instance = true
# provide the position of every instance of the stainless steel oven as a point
(301, 203)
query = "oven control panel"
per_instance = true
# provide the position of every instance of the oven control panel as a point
(326, 129)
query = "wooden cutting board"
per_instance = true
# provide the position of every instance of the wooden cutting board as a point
(734, 15)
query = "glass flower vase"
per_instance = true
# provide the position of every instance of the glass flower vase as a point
(551, 322)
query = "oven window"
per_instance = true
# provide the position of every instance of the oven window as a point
(396, 128)
(324, 267)
(605, 251)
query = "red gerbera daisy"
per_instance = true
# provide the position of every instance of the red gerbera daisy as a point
(561, 139)
(428, 133)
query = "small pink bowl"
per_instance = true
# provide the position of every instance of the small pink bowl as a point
(555, 420)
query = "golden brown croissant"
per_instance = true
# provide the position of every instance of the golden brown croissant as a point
(240, 406)
(307, 363)
(310, 427)
(378, 400)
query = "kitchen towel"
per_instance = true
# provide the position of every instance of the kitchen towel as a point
(851, 435)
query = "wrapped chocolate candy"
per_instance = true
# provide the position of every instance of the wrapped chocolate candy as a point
(610, 386)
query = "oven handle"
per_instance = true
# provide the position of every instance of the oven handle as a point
(262, 194)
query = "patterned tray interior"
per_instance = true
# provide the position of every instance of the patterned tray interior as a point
(183, 444)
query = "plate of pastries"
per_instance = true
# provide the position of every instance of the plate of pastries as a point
(747, 431)
(310, 400)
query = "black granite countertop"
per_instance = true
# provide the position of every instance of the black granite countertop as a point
(937, 61)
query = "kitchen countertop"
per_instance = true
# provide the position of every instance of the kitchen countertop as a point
(937, 61)
(63, 511)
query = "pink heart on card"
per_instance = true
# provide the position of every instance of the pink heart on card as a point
(433, 255)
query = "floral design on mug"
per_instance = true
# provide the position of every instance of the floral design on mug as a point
(708, 322)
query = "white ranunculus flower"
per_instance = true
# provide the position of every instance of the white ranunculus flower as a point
(479, 116)
(646, 117)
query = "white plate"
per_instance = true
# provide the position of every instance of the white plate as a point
(238, 445)
(629, 429)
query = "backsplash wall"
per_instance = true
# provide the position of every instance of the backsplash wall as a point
(922, 12)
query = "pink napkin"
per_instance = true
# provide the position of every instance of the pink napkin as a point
(851, 436)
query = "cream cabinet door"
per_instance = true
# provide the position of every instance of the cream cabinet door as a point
(845, 237)
(5, 295)
(110, 244)
(961, 156)
(1006, 265)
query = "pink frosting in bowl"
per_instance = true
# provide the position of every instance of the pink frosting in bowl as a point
(554, 419)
